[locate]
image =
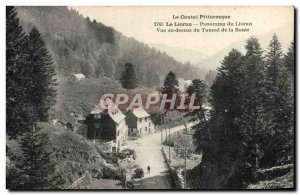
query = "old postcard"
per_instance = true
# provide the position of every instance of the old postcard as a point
(141, 98)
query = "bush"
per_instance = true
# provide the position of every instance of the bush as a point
(130, 185)
(109, 173)
(121, 155)
(138, 173)
(166, 143)
(127, 152)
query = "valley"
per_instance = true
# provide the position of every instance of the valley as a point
(230, 125)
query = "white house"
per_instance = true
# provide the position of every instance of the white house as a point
(138, 121)
(79, 77)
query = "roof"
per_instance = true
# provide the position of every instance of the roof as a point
(139, 112)
(79, 76)
(96, 110)
(155, 93)
(114, 112)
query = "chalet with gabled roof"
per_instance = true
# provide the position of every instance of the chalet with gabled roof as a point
(138, 121)
(107, 125)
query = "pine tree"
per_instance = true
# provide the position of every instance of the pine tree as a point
(37, 169)
(42, 92)
(17, 76)
(226, 88)
(243, 113)
(289, 59)
(128, 77)
(170, 83)
(277, 109)
(14, 179)
(289, 63)
(169, 89)
(225, 146)
(252, 94)
(198, 88)
(274, 101)
(289, 78)
(30, 94)
(273, 60)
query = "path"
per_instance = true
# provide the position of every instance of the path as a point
(148, 150)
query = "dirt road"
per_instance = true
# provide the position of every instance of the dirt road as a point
(148, 150)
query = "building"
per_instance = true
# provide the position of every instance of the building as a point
(138, 121)
(79, 77)
(107, 126)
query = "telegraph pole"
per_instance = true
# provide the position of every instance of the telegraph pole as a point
(161, 136)
(165, 122)
(161, 131)
(169, 144)
(185, 155)
(165, 126)
(168, 138)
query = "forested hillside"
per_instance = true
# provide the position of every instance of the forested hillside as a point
(78, 44)
(40, 155)
(249, 138)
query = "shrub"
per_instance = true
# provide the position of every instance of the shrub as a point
(122, 155)
(130, 185)
(139, 173)
(127, 152)
(109, 173)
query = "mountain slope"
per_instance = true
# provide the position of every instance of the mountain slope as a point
(214, 61)
(78, 44)
(72, 154)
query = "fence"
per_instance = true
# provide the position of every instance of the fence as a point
(176, 177)
(78, 180)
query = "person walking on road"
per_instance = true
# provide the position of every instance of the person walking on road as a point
(148, 169)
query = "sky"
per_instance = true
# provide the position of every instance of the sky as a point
(138, 22)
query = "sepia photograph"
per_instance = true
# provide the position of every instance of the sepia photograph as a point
(141, 98)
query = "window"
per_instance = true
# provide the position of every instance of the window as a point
(146, 119)
(97, 125)
(97, 116)
(140, 120)
(118, 133)
(146, 129)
